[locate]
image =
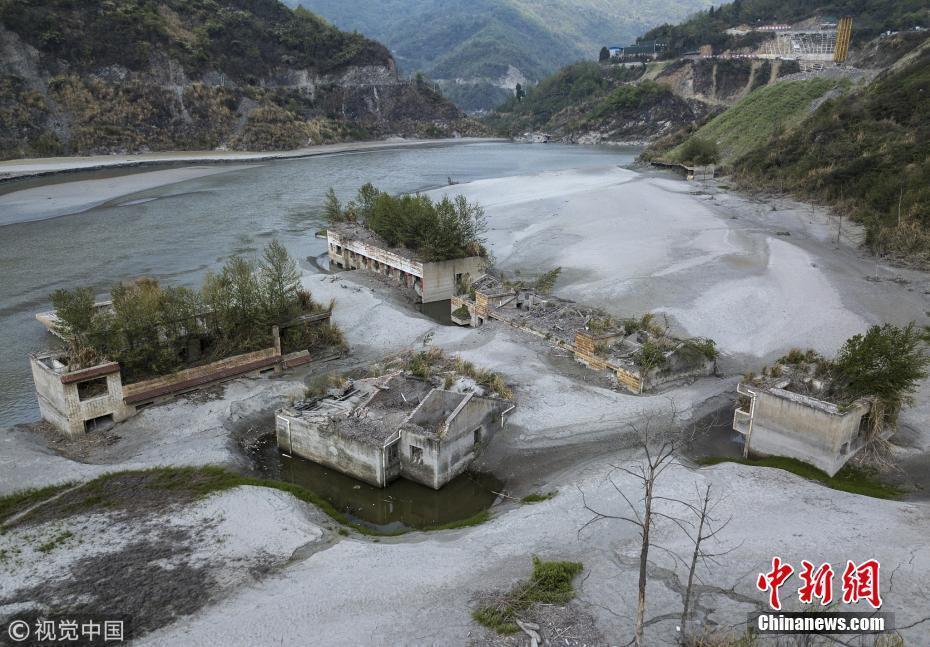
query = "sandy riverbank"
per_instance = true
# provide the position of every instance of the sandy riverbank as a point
(66, 198)
(13, 169)
(756, 279)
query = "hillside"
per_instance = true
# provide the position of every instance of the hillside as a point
(867, 153)
(479, 50)
(136, 75)
(871, 17)
(750, 123)
(592, 102)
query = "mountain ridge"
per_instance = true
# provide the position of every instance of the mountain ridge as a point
(470, 47)
(146, 75)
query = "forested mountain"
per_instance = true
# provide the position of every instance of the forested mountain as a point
(132, 75)
(479, 49)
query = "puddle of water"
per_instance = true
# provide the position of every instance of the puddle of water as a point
(714, 436)
(438, 311)
(403, 504)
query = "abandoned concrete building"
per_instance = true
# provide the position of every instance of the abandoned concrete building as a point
(379, 429)
(781, 417)
(635, 355)
(79, 400)
(352, 246)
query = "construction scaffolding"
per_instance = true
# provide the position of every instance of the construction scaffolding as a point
(808, 45)
(843, 38)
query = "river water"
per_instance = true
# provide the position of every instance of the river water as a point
(175, 233)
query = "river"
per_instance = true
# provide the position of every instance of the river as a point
(177, 232)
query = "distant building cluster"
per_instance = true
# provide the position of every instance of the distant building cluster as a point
(644, 51)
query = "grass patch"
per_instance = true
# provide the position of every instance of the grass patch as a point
(158, 488)
(474, 520)
(536, 497)
(55, 542)
(764, 112)
(550, 583)
(849, 479)
(15, 503)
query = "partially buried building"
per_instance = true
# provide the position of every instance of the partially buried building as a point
(352, 246)
(791, 414)
(378, 429)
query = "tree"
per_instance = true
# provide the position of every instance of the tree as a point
(659, 442)
(520, 93)
(332, 209)
(279, 281)
(887, 363)
(604, 55)
(706, 530)
(546, 282)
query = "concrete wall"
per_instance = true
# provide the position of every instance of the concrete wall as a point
(369, 251)
(435, 281)
(439, 278)
(321, 444)
(58, 393)
(449, 455)
(169, 385)
(677, 368)
(810, 430)
(458, 448)
(424, 470)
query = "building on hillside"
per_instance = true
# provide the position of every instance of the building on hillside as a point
(783, 417)
(645, 50)
(597, 340)
(379, 429)
(352, 247)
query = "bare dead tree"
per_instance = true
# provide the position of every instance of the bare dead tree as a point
(659, 443)
(707, 530)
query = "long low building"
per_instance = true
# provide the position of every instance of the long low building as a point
(80, 400)
(354, 247)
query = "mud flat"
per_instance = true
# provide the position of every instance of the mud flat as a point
(53, 200)
(11, 169)
(719, 265)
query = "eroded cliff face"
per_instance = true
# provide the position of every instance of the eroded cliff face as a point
(50, 105)
(721, 82)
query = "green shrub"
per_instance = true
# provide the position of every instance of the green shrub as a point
(462, 312)
(699, 152)
(550, 583)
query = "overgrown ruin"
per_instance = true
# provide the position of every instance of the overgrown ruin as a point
(638, 353)
(406, 423)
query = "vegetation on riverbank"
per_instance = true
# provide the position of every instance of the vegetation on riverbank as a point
(606, 101)
(750, 123)
(865, 153)
(157, 489)
(849, 479)
(153, 330)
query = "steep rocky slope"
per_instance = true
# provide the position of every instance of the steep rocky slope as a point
(136, 75)
(591, 102)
